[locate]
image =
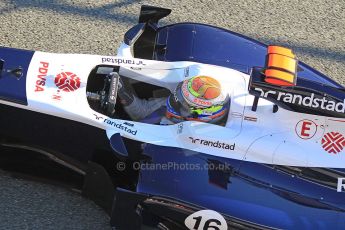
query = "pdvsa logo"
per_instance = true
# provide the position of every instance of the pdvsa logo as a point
(41, 76)
(67, 81)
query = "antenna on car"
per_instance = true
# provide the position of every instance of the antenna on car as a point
(16, 72)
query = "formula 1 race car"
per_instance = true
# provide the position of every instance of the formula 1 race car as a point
(275, 160)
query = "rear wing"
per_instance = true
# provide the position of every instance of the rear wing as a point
(278, 82)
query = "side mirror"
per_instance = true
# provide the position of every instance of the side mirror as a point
(118, 145)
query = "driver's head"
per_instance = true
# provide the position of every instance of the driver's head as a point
(199, 98)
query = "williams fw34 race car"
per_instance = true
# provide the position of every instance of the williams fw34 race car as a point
(189, 126)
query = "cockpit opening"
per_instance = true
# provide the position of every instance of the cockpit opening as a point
(199, 98)
(99, 91)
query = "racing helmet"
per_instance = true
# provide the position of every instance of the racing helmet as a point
(199, 98)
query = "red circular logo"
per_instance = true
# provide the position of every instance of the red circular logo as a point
(306, 129)
(67, 81)
(333, 142)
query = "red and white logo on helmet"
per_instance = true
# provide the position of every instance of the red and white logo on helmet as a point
(202, 92)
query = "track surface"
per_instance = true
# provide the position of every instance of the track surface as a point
(313, 28)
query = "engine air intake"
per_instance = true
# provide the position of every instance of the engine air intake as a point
(281, 66)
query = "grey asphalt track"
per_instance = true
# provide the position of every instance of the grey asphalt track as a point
(315, 29)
